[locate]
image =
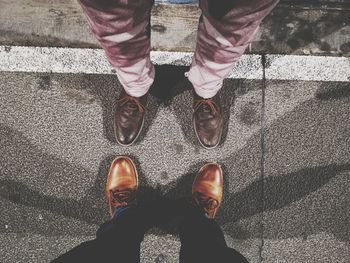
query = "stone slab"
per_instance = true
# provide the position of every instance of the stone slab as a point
(56, 145)
(306, 172)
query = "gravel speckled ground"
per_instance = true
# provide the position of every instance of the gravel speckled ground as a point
(285, 155)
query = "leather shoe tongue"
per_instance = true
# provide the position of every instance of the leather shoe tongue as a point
(131, 105)
(206, 108)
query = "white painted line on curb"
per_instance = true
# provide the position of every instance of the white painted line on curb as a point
(248, 67)
(57, 60)
(93, 61)
(309, 68)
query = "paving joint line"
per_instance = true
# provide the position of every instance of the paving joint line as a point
(262, 157)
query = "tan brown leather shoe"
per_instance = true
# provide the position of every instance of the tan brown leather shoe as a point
(207, 189)
(129, 118)
(122, 183)
(208, 121)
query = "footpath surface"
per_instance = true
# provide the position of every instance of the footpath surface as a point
(285, 154)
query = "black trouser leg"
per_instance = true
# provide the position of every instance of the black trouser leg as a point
(117, 240)
(202, 240)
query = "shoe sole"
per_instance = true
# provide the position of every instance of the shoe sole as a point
(109, 174)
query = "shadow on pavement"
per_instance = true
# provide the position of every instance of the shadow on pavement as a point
(169, 83)
(21, 156)
(279, 191)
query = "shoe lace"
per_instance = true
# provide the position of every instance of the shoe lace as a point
(204, 202)
(132, 100)
(210, 102)
(122, 197)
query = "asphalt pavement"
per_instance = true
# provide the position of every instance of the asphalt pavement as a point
(285, 155)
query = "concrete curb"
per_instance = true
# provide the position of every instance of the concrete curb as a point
(93, 61)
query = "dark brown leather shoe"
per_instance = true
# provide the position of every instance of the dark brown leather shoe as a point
(208, 120)
(129, 118)
(207, 189)
(122, 183)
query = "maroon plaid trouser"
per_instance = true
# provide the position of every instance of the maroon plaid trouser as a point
(225, 30)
